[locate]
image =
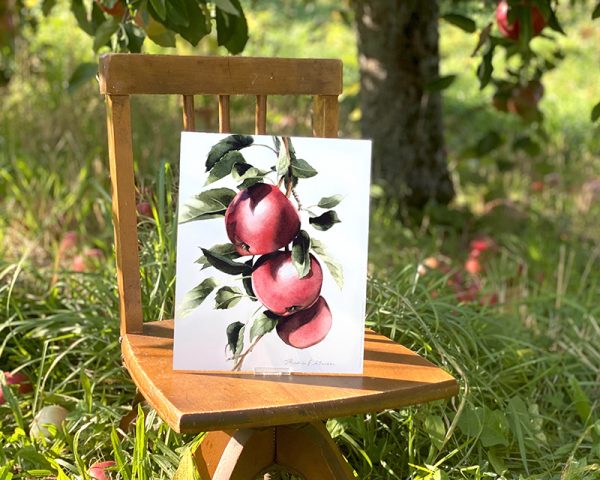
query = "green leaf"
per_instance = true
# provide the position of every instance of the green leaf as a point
(187, 467)
(518, 416)
(554, 24)
(435, 428)
(225, 249)
(284, 160)
(335, 269)
(160, 8)
(595, 113)
(330, 202)
(224, 166)
(249, 182)
(302, 169)
(440, 83)
(300, 254)
(495, 429)
(227, 297)
(82, 74)
(470, 422)
(263, 324)
(134, 38)
(488, 143)
(235, 337)
(47, 7)
(486, 68)
(527, 145)
(324, 221)
(596, 12)
(80, 14)
(208, 204)
(583, 405)
(197, 26)
(104, 32)
(226, 265)
(228, 144)
(226, 6)
(464, 23)
(196, 296)
(247, 282)
(232, 28)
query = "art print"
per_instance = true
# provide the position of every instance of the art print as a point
(271, 253)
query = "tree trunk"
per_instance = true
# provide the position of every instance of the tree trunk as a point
(398, 57)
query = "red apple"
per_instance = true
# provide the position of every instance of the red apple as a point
(19, 379)
(512, 30)
(480, 245)
(117, 10)
(144, 209)
(261, 219)
(78, 264)
(307, 327)
(278, 286)
(473, 266)
(98, 470)
(69, 241)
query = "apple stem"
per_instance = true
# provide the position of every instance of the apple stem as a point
(297, 198)
(266, 146)
(240, 360)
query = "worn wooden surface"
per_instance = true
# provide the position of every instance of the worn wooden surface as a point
(394, 377)
(325, 116)
(127, 74)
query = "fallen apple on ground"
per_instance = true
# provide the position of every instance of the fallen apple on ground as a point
(307, 327)
(100, 470)
(276, 283)
(513, 30)
(261, 219)
(19, 379)
(50, 415)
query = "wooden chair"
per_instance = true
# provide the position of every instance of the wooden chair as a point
(256, 423)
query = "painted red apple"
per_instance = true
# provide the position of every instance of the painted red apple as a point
(278, 286)
(100, 470)
(307, 327)
(19, 379)
(261, 219)
(512, 30)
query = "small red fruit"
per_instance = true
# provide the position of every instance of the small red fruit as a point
(512, 30)
(307, 327)
(19, 379)
(98, 470)
(117, 10)
(278, 286)
(481, 244)
(69, 241)
(261, 219)
(78, 264)
(144, 209)
(473, 266)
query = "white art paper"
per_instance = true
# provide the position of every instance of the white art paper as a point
(221, 321)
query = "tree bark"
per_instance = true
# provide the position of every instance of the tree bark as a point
(398, 58)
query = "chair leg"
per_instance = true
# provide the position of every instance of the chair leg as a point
(240, 455)
(306, 450)
(309, 451)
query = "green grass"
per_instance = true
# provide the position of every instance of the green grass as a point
(528, 366)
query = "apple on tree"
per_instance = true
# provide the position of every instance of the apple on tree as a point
(513, 30)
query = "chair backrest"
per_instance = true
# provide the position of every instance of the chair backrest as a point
(123, 75)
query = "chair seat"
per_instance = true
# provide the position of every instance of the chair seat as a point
(191, 402)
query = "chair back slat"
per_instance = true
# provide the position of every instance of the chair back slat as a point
(127, 74)
(189, 114)
(224, 111)
(123, 75)
(260, 122)
(120, 152)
